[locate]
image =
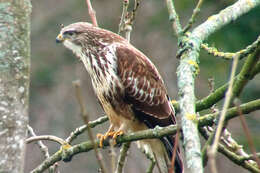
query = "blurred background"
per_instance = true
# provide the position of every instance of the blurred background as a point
(53, 107)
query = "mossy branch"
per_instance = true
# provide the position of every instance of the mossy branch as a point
(158, 132)
(208, 120)
(67, 154)
(247, 73)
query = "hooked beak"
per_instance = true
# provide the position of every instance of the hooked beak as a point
(59, 38)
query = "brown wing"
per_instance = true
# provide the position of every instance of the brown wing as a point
(144, 88)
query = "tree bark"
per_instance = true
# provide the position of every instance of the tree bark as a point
(14, 82)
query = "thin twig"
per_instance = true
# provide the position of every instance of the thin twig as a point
(247, 133)
(127, 20)
(83, 128)
(137, 3)
(113, 156)
(123, 16)
(193, 17)
(228, 55)
(44, 149)
(77, 86)
(122, 157)
(157, 163)
(213, 149)
(174, 18)
(174, 152)
(46, 137)
(92, 13)
(214, 51)
(249, 49)
(241, 161)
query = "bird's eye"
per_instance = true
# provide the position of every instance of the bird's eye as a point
(70, 33)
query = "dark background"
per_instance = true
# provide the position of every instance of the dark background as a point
(53, 107)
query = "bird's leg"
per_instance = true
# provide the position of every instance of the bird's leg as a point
(109, 133)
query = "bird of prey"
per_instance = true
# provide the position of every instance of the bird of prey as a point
(128, 87)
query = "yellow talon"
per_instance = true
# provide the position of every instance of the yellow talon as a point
(113, 134)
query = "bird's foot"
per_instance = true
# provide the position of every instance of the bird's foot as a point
(113, 134)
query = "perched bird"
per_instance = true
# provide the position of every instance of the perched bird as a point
(128, 86)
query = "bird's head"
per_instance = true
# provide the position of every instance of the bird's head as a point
(83, 34)
(74, 34)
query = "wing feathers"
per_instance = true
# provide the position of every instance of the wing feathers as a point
(144, 88)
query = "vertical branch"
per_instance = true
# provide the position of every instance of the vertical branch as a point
(127, 19)
(76, 84)
(193, 17)
(92, 13)
(113, 156)
(122, 157)
(123, 16)
(213, 149)
(14, 82)
(176, 143)
(174, 18)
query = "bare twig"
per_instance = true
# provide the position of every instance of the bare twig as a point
(174, 18)
(127, 19)
(83, 128)
(247, 132)
(249, 49)
(137, 3)
(44, 149)
(46, 137)
(231, 155)
(157, 163)
(213, 149)
(123, 16)
(176, 143)
(193, 17)
(113, 155)
(92, 13)
(77, 86)
(122, 157)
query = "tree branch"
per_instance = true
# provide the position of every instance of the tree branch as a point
(83, 128)
(122, 157)
(228, 98)
(247, 73)
(66, 155)
(92, 13)
(188, 69)
(174, 19)
(232, 156)
(193, 17)
(246, 108)
(147, 134)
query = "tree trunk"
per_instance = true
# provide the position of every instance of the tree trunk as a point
(14, 82)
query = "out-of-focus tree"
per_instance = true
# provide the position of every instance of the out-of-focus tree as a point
(14, 82)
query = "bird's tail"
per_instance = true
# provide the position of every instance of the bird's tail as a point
(162, 148)
(161, 152)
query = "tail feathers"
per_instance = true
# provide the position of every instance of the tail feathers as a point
(156, 150)
(165, 151)
(168, 143)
